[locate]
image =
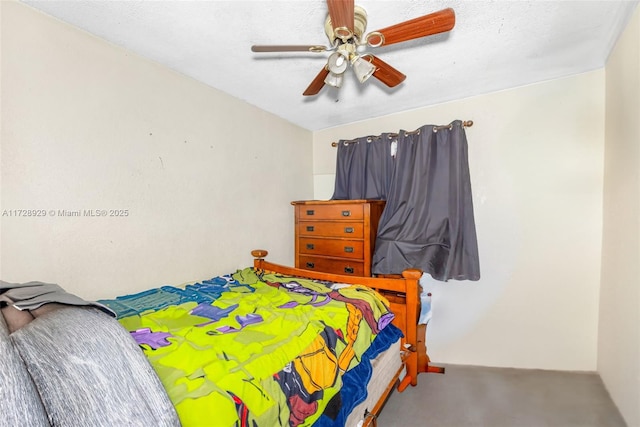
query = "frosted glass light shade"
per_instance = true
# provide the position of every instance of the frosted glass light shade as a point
(363, 68)
(337, 63)
(334, 79)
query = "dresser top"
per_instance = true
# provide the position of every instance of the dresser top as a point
(336, 202)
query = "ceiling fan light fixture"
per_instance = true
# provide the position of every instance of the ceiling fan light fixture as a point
(362, 68)
(338, 62)
(334, 79)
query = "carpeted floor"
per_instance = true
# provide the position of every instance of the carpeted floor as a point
(499, 397)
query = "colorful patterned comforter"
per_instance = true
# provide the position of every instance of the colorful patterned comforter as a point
(253, 348)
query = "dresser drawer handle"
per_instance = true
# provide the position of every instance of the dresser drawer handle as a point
(311, 265)
(348, 230)
(309, 227)
(348, 249)
(311, 212)
(346, 213)
(348, 270)
(310, 246)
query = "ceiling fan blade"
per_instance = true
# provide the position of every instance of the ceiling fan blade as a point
(386, 73)
(317, 83)
(342, 17)
(289, 48)
(433, 23)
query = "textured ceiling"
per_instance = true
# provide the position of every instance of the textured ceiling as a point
(494, 45)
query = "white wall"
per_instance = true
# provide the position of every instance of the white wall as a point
(535, 155)
(85, 126)
(619, 328)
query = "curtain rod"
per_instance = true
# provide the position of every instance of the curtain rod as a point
(466, 123)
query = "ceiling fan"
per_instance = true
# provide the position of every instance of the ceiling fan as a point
(345, 26)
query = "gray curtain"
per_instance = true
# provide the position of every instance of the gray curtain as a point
(364, 168)
(428, 220)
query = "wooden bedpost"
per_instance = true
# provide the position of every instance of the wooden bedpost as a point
(258, 255)
(412, 277)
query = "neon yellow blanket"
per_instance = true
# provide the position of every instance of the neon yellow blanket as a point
(271, 353)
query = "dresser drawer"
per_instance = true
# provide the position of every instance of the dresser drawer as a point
(347, 230)
(336, 236)
(347, 212)
(334, 266)
(331, 247)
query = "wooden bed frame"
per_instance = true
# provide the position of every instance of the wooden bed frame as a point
(403, 294)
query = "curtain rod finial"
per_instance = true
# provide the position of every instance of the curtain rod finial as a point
(467, 123)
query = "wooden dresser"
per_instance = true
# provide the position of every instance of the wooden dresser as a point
(336, 236)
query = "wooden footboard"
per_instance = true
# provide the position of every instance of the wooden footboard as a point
(404, 297)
